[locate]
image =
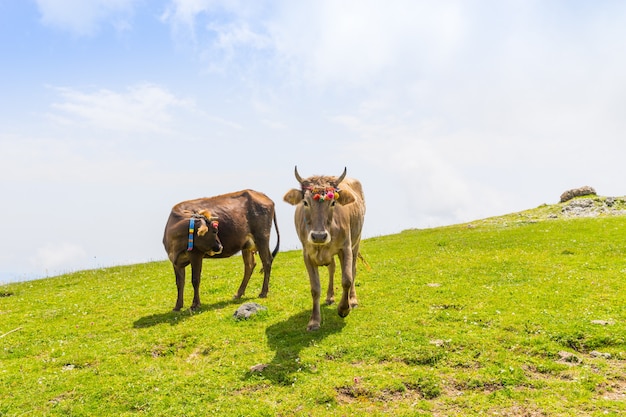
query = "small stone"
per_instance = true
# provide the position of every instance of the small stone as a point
(602, 322)
(258, 368)
(597, 354)
(439, 342)
(248, 309)
(568, 357)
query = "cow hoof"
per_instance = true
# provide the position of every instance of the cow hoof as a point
(263, 295)
(312, 327)
(236, 297)
(176, 308)
(194, 308)
(343, 309)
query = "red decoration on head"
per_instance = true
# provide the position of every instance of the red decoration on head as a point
(328, 193)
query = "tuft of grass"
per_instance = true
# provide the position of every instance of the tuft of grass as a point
(516, 315)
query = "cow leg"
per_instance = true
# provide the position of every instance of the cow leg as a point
(248, 264)
(330, 293)
(196, 272)
(266, 260)
(316, 290)
(347, 283)
(352, 296)
(179, 271)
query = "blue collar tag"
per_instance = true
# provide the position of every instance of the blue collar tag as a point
(191, 229)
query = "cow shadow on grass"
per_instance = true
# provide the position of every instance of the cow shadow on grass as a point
(175, 317)
(289, 337)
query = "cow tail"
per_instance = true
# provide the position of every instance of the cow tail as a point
(277, 237)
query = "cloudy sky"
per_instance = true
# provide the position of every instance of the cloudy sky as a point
(112, 111)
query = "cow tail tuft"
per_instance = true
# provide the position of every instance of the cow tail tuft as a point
(362, 259)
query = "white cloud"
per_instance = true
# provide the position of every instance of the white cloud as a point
(142, 108)
(427, 166)
(69, 161)
(226, 35)
(84, 17)
(185, 11)
(323, 42)
(436, 191)
(354, 42)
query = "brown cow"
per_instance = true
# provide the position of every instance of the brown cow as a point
(223, 225)
(329, 217)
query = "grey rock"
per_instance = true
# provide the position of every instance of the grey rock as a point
(597, 354)
(248, 309)
(577, 192)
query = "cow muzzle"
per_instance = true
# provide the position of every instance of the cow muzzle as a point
(217, 248)
(319, 237)
(213, 253)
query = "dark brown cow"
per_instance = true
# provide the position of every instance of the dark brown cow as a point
(223, 226)
(329, 217)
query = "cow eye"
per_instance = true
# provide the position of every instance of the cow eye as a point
(305, 203)
(332, 203)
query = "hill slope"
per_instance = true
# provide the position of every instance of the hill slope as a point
(519, 315)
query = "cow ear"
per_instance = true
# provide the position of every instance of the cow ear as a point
(345, 197)
(293, 196)
(202, 229)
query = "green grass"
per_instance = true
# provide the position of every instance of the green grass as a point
(471, 319)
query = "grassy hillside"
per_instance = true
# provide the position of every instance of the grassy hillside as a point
(521, 315)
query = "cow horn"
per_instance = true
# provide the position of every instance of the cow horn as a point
(298, 177)
(345, 171)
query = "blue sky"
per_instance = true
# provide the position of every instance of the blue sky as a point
(113, 111)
